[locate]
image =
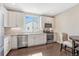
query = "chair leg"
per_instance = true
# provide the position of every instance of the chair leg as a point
(77, 53)
(61, 47)
(65, 49)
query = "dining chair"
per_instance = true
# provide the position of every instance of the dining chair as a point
(66, 43)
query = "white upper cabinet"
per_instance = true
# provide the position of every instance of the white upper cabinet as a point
(12, 19)
(47, 20)
(15, 19)
(19, 19)
(3, 17)
(6, 23)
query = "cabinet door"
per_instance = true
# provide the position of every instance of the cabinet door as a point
(44, 39)
(6, 22)
(19, 19)
(4, 17)
(14, 42)
(31, 40)
(7, 45)
(1, 51)
(48, 19)
(1, 19)
(25, 40)
(10, 47)
(37, 39)
(12, 18)
(40, 39)
(1, 45)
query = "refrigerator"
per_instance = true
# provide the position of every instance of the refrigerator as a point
(1, 34)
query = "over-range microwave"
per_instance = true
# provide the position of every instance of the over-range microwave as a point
(48, 25)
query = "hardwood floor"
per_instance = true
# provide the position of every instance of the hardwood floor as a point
(44, 50)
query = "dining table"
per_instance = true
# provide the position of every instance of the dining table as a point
(74, 40)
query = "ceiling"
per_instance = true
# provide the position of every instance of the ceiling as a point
(48, 9)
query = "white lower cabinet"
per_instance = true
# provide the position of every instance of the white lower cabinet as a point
(15, 19)
(36, 39)
(30, 40)
(10, 42)
(7, 44)
(13, 42)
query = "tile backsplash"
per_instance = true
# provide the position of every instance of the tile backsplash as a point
(14, 30)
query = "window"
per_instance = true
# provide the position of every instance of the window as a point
(32, 23)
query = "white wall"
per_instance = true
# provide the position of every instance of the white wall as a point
(68, 21)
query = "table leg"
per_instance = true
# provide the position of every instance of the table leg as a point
(73, 48)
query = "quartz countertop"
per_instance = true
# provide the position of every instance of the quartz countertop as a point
(15, 31)
(24, 33)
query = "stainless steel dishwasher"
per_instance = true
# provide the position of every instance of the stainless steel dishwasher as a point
(22, 41)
